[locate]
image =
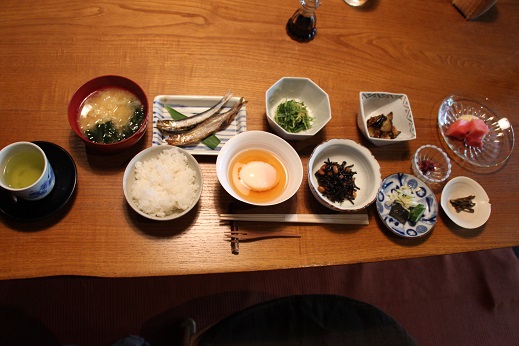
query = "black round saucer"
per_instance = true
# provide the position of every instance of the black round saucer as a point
(66, 178)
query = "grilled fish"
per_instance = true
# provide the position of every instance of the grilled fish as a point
(172, 126)
(207, 127)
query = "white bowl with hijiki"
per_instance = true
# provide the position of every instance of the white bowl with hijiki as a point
(343, 175)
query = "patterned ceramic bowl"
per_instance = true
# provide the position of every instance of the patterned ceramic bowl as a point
(423, 195)
(373, 104)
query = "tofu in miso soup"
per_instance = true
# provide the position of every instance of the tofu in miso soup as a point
(110, 115)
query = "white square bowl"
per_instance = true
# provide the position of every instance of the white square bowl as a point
(376, 103)
(302, 90)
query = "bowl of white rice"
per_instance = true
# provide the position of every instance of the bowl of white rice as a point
(163, 182)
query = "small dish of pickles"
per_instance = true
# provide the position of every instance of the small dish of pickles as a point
(406, 205)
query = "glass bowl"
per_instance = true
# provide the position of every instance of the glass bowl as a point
(431, 164)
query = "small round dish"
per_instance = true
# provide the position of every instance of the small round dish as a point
(367, 168)
(431, 164)
(66, 179)
(460, 187)
(497, 144)
(426, 197)
(158, 184)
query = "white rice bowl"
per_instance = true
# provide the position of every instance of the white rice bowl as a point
(162, 182)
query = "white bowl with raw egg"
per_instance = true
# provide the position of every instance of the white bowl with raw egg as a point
(259, 168)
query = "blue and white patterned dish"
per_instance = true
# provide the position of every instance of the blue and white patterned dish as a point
(189, 106)
(425, 197)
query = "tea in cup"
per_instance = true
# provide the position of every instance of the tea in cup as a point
(26, 171)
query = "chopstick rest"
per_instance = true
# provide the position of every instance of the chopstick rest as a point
(235, 242)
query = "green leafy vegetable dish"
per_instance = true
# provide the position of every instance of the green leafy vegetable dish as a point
(293, 116)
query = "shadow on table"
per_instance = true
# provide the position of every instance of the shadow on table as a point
(162, 229)
(42, 224)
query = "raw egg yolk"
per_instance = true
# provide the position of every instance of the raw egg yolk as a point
(259, 176)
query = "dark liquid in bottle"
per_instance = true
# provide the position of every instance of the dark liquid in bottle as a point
(302, 29)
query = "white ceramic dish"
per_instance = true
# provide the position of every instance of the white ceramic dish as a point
(460, 187)
(266, 141)
(368, 176)
(376, 103)
(497, 144)
(189, 106)
(302, 90)
(129, 178)
(424, 196)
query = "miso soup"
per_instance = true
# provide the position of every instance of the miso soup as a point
(110, 115)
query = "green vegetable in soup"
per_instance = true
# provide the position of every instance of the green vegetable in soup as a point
(107, 133)
(211, 142)
(293, 116)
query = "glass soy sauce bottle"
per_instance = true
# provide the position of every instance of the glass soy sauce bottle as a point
(301, 26)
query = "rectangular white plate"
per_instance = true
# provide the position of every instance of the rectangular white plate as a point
(189, 106)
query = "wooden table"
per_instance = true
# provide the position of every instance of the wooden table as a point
(426, 50)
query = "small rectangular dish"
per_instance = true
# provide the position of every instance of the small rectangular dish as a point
(189, 106)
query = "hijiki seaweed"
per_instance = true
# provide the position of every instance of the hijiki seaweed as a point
(336, 181)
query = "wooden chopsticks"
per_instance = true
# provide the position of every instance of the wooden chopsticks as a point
(248, 235)
(344, 219)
